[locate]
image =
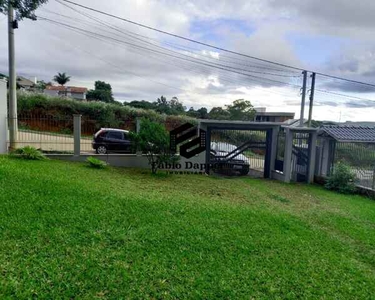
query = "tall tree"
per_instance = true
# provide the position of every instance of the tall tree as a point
(241, 110)
(61, 78)
(218, 113)
(172, 107)
(23, 8)
(102, 92)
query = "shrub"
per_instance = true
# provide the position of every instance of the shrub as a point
(29, 153)
(342, 180)
(153, 140)
(96, 163)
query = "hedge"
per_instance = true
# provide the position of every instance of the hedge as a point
(99, 113)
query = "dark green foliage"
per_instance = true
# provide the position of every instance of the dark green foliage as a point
(29, 153)
(102, 92)
(218, 113)
(241, 110)
(153, 140)
(96, 163)
(199, 113)
(342, 180)
(143, 104)
(172, 107)
(23, 8)
(61, 78)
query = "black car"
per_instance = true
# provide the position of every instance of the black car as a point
(112, 140)
(226, 160)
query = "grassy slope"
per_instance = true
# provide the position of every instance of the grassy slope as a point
(67, 231)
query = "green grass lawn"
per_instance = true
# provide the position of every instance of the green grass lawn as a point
(70, 232)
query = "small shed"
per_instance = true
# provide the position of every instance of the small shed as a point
(353, 145)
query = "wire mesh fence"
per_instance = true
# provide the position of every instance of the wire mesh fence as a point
(51, 134)
(361, 159)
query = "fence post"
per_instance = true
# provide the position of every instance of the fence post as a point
(312, 156)
(288, 155)
(77, 134)
(137, 125)
(3, 117)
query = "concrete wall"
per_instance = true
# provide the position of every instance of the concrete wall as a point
(3, 117)
(193, 164)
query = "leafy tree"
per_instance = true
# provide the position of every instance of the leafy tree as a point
(23, 8)
(153, 139)
(202, 113)
(172, 107)
(177, 108)
(102, 92)
(41, 85)
(61, 78)
(199, 113)
(241, 110)
(218, 113)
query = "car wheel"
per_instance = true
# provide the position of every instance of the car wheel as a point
(101, 150)
(244, 171)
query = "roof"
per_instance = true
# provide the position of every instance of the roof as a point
(22, 81)
(72, 89)
(275, 114)
(353, 134)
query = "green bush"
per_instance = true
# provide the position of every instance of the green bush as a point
(342, 180)
(96, 163)
(153, 140)
(29, 153)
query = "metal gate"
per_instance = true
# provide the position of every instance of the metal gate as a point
(239, 152)
(300, 157)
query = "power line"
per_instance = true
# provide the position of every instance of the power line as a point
(196, 61)
(179, 36)
(209, 45)
(178, 53)
(180, 47)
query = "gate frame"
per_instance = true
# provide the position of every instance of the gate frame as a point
(271, 128)
(313, 134)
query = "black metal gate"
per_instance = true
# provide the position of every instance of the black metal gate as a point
(240, 152)
(300, 157)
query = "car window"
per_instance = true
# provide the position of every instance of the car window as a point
(126, 136)
(115, 135)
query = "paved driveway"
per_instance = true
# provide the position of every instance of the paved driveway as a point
(51, 141)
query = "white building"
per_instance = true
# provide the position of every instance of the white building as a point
(78, 93)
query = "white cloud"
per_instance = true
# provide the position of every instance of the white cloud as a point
(44, 49)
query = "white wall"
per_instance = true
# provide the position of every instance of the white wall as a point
(51, 92)
(3, 117)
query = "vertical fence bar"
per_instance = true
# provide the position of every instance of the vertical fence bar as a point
(3, 117)
(77, 135)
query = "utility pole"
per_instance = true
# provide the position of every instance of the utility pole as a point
(312, 92)
(301, 120)
(12, 80)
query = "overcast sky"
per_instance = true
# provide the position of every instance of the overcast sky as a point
(334, 37)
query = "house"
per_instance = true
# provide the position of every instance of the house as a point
(24, 83)
(78, 93)
(262, 115)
